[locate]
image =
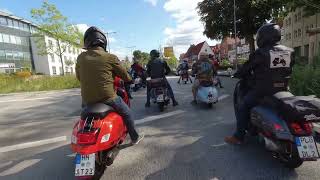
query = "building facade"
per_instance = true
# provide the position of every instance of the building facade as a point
(51, 64)
(294, 34)
(15, 43)
(19, 50)
(193, 53)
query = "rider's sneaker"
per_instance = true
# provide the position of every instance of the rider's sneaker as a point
(233, 140)
(147, 105)
(135, 142)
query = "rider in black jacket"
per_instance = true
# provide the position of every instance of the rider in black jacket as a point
(158, 68)
(269, 69)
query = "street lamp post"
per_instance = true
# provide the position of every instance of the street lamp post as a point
(131, 49)
(235, 32)
(108, 44)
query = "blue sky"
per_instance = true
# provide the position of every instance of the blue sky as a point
(146, 24)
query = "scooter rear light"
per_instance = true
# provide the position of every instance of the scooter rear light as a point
(88, 138)
(308, 127)
(278, 127)
(296, 128)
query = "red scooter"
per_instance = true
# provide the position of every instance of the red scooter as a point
(97, 136)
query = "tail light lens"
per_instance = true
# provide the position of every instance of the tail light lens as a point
(308, 127)
(88, 138)
(303, 128)
(278, 127)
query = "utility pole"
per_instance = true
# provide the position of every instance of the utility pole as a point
(108, 42)
(235, 32)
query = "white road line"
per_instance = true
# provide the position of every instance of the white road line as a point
(5, 164)
(20, 167)
(219, 145)
(153, 118)
(32, 144)
(223, 96)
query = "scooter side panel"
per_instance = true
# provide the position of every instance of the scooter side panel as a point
(266, 119)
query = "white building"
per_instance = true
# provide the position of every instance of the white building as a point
(50, 64)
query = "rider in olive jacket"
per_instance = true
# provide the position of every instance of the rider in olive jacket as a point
(269, 69)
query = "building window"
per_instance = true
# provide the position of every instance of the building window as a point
(2, 55)
(3, 21)
(295, 18)
(13, 39)
(21, 25)
(24, 41)
(26, 27)
(26, 56)
(16, 24)
(299, 32)
(289, 36)
(52, 58)
(15, 56)
(9, 55)
(54, 70)
(295, 33)
(10, 22)
(20, 55)
(60, 69)
(50, 43)
(18, 40)
(299, 16)
(6, 38)
(1, 40)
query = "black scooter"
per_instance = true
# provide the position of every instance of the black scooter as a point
(283, 122)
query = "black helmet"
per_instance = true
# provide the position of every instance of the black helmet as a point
(268, 34)
(154, 54)
(94, 37)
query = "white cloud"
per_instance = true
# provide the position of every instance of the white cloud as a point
(82, 27)
(189, 29)
(152, 2)
(6, 11)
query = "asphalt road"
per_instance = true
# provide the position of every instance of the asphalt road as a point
(184, 142)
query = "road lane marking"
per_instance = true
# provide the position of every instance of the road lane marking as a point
(20, 167)
(223, 96)
(2, 165)
(32, 144)
(219, 145)
(153, 118)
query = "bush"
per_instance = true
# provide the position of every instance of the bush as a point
(13, 83)
(305, 80)
(225, 64)
(23, 74)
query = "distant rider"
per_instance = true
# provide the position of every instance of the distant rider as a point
(267, 76)
(204, 71)
(96, 70)
(216, 67)
(158, 68)
(139, 71)
(183, 69)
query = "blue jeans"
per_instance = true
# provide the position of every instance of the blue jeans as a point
(250, 100)
(170, 91)
(122, 108)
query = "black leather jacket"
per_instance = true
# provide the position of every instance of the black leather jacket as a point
(157, 68)
(268, 69)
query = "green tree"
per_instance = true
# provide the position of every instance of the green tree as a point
(143, 57)
(53, 24)
(217, 16)
(172, 62)
(310, 7)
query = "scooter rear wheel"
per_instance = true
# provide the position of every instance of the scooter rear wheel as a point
(293, 159)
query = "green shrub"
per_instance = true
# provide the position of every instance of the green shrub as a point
(305, 80)
(12, 83)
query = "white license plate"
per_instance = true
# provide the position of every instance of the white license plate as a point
(307, 147)
(160, 98)
(85, 165)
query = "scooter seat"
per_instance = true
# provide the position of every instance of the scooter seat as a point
(295, 108)
(97, 111)
(156, 83)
